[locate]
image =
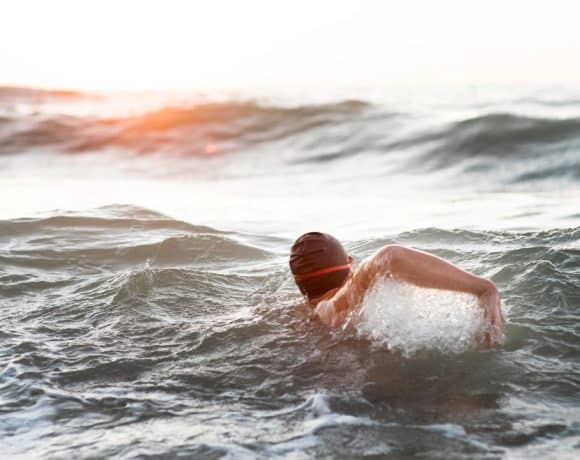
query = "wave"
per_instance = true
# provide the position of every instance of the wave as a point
(435, 238)
(505, 134)
(25, 94)
(31, 225)
(89, 243)
(551, 102)
(187, 129)
(519, 149)
(208, 250)
(535, 148)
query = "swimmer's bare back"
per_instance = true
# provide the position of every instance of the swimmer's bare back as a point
(415, 267)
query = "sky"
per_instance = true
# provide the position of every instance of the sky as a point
(197, 45)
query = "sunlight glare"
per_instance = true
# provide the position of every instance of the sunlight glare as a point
(174, 45)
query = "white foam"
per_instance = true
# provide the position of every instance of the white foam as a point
(408, 318)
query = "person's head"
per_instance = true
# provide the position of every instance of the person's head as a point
(319, 263)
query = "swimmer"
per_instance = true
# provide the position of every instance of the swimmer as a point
(323, 272)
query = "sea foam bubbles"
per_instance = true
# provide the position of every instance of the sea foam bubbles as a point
(408, 318)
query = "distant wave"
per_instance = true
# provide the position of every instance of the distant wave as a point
(504, 134)
(490, 134)
(536, 147)
(493, 134)
(179, 129)
(552, 102)
(24, 94)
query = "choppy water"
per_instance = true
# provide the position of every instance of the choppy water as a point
(147, 311)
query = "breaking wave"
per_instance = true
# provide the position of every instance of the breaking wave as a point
(496, 146)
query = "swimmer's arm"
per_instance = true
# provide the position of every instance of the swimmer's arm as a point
(429, 271)
(418, 268)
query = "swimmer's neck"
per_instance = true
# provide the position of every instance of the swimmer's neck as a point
(328, 294)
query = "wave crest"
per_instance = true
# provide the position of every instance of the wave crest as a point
(182, 129)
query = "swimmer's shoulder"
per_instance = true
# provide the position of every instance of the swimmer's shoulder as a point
(334, 305)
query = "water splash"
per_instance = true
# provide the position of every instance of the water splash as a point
(408, 319)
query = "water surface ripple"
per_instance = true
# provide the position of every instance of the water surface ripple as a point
(183, 340)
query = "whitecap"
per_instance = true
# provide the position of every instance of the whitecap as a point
(408, 318)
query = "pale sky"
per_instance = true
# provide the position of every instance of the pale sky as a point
(240, 44)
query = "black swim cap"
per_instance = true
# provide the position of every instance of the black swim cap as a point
(319, 263)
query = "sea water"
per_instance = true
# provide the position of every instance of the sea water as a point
(147, 309)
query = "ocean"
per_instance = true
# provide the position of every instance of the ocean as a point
(147, 309)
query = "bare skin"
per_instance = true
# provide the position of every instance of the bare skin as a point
(415, 267)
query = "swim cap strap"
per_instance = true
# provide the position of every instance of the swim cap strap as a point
(324, 271)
